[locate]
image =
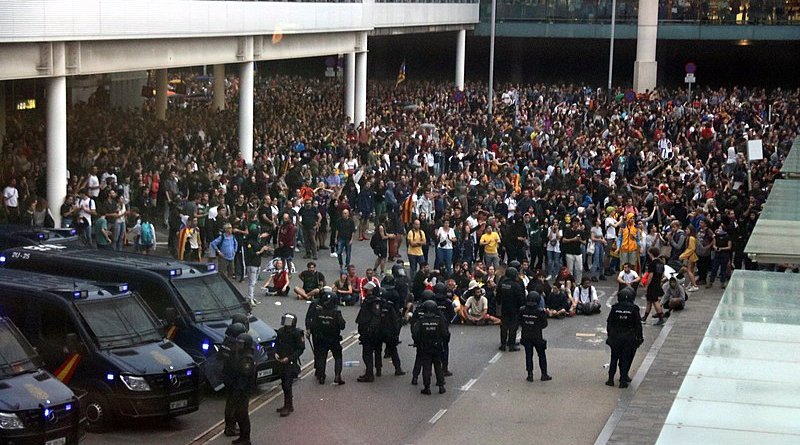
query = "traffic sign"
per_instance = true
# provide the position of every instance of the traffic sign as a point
(690, 79)
(630, 96)
(691, 68)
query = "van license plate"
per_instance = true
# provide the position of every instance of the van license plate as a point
(264, 373)
(59, 441)
(178, 404)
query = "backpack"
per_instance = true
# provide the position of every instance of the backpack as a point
(146, 235)
(375, 241)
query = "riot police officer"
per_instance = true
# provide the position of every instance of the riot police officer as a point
(229, 357)
(445, 306)
(289, 345)
(511, 295)
(369, 332)
(624, 328)
(429, 333)
(242, 384)
(419, 311)
(243, 319)
(532, 320)
(326, 325)
(390, 326)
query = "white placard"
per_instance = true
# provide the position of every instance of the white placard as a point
(689, 78)
(755, 151)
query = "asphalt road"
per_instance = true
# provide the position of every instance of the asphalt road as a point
(487, 398)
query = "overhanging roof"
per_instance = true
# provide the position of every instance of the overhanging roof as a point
(776, 236)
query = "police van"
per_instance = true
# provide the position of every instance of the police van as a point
(35, 408)
(195, 301)
(101, 339)
(17, 235)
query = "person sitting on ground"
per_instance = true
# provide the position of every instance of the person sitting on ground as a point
(476, 309)
(674, 296)
(585, 297)
(278, 282)
(367, 278)
(344, 290)
(628, 277)
(558, 303)
(313, 281)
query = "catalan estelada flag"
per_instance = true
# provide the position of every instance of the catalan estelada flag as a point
(172, 332)
(401, 76)
(406, 209)
(517, 182)
(67, 369)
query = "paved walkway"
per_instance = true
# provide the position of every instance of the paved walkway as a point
(640, 423)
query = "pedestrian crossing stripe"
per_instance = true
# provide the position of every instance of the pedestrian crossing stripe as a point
(67, 369)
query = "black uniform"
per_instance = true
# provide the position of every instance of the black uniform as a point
(389, 332)
(229, 356)
(532, 320)
(369, 331)
(624, 328)
(326, 325)
(290, 344)
(242, 382)
(445, 306)
(511, 295)
(429, 333)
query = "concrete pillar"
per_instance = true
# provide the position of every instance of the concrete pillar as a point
(219, 88)
(162, 82)
(644, 69)
(361, 89)
(246, 74)
(56, 91)
(461, 47)
(350, 85)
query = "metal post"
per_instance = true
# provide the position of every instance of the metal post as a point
(491, 59)
(611, 48)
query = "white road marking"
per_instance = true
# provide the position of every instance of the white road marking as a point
(582, 334)
(469, 384)
(437, 416)
(496, 357)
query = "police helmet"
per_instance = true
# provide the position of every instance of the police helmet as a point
(430, 307)
(626, 294)
(515, 264)
(289, 320)
(388, 280)
(245, 341)
(243, 319)
(235, 329)
(428, 295)
(512, 273)
(440, 288)
(327, 300)
(533, 297)
(398, 270)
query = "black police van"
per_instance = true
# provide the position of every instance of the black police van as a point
(35, 408)
(101, 339)
(16, 235)
(195, 301)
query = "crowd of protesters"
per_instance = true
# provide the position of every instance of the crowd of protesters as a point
(567, 184)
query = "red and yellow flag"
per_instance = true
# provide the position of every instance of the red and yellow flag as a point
(172, 331)
(406, 209)
(517, 186)
(67, 369)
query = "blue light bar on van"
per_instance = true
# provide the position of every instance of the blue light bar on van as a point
(68, 407)
(2, 259)
(110, 377)
(123, 287)
(188, 373)
(205, 346)
(41, 236)
(175, 272)
(211, 267)
(73, 232)
(46, 413)
(78, 294)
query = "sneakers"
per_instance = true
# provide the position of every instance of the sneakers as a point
(334, 255)
(692, 289)
(338, 380)
(255, 302)
(660, 321)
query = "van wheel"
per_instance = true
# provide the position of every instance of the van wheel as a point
(98, 412)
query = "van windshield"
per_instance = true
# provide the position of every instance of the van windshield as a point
(119, 322)
(16, 354)
(209, 297)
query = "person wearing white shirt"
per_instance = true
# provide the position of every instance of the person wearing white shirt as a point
(585, 297)
(445, 237)
(86, 210)
(628, 277)
(11, 200)
(93, 183)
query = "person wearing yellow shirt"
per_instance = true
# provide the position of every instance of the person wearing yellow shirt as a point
(416, 239)
(490, 241)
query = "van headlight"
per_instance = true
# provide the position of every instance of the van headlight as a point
(10, 421)
(135, 383)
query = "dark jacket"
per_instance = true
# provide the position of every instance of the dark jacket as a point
(369, 319)
(429, 331)
(290, 343)
(510, 295)
(532, 320)
(624, 326)
(244, 375)
(326, 324)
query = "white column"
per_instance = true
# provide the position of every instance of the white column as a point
(644, 69)
(361, 89)
(246, 72)
(461, 47)
(161, 94)
(350, 85)
(219, 88)
(56, 145)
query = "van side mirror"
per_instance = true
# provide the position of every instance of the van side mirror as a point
(73, 343)
(171, 315)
